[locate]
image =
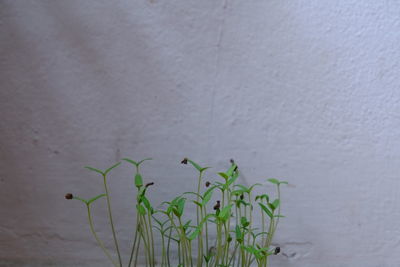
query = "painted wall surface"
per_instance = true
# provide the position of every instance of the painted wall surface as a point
(306, 91)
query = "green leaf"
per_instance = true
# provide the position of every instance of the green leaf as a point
(194, 234)
(141, 192)
(223, 175)
(147, 204)
(244, 221)
(232, 180)
(138, 180)
(274, 181)
(197, 203)
(195, 165)
(94, 169)
(276, 203)
(176, 200)
(272, 207)
(254, 185)
(205, 168)
(230, 171)
(176, 212)
(130, 161)
(140, 162)
(181, 206)
(112, 167)
(141, 209)
(250, 249)
(207, 197)
(178, 206)
(208, 216)
(187, 224)
(239, 236)
(244, 189)
(81, 199)
(193, 193)
(95, 198)
(266, 197)
(238, 192)
(266, 210)
(225, 212)
(169, 210)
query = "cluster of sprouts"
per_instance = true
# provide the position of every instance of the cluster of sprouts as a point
(222, 234)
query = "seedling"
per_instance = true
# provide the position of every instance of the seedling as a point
(222, 234)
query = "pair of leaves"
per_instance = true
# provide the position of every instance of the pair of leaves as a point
(258, 253)
(266, 210)
(232, 170)
(245, 189)
(244, 222)
(261, 197)
(239, 234)
(225, 213)
(230, 173)
(275, 204)
(178, 207)
(199, 228)
(104, 173)
(276, 181)
(270, 213)
(197, 166)
(137, 164)
(90, 201)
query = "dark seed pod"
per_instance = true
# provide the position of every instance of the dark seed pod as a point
(241, 197)
(218, 205)
(184, 161)
(69, 196)
(149, 184)
(208, 184)
(229, 238)
(232, 161)
(236, 168)
(277, 250)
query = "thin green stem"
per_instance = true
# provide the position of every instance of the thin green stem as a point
(111, 220)
(146, 227)
(135, 240)
(151, 239)
(97, 238)
(199, 238)
(145, 238)
(168, 246)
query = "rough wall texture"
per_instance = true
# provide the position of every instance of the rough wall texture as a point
(305, 90)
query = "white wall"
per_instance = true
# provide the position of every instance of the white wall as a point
(306, 91)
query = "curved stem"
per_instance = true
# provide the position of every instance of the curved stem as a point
(111, 220)
(168, 247)
(97, 238)
(151, 240)
(134, 242)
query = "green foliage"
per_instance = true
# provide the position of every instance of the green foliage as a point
(230, 218)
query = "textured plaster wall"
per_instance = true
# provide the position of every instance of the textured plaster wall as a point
(307, 91)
